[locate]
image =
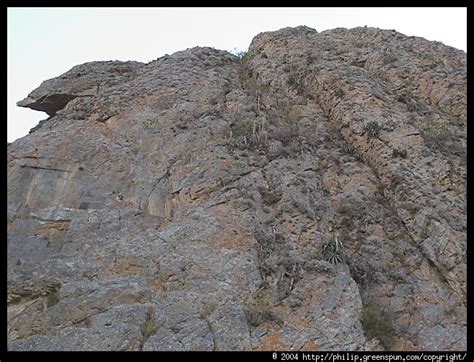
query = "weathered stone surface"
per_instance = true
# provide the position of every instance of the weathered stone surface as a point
(85, 80)
(188, 203)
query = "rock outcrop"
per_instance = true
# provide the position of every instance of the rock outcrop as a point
(308, 196)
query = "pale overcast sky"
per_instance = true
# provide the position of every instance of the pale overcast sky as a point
(46, 42)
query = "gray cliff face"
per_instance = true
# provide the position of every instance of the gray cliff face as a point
(309, 196)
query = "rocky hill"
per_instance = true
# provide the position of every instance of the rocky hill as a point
(310, 195)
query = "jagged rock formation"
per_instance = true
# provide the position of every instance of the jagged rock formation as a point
(183, 204)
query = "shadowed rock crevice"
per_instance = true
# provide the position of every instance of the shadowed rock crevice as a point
(49, 104)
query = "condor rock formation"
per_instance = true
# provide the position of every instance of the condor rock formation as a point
(310, 195)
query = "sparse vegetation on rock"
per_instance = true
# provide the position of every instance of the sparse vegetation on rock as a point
(378, 323)
(200, 201)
